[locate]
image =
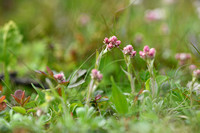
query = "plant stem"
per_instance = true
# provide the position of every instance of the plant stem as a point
(154, 87)
(129, 70)
(191, 89)
(5, 65)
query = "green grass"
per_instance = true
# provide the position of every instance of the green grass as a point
(66, 35)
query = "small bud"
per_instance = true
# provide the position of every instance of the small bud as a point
(113, 39)
(110, 46)
(146, 49)
(106, 41)
(60, 77)
(133, 53)
(142, 55)
(118, 43)
(96, 75)
(152, 53)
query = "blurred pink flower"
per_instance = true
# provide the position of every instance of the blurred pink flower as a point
(128, 50)
(147, 53)
(112, 42)
(183, 58)
(60, 77)
(96, 75)
(155, 15)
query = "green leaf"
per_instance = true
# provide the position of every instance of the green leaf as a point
(119, 99)
(40, 93)
(19, 109)
(147, 84)
(31, 110)
(160, 79)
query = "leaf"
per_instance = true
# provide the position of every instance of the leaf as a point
(2, 98)
(31, 110)
(119, 99)
(64, 83)
(76, 84)
(26, 101)
(49, 71)
(40, 93)
(19, 109)
(2, 106)
(147, 84)
(30, 104)
(160, 79)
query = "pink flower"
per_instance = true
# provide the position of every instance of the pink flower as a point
(183, 58)
(152, 53)
(112, 42)
(60, 77)
(196, 73)
(192, 67)
(146, 49)
(96, 75)
(128, 50)
(154, 15)
(147, 53)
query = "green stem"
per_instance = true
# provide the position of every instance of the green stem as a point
(191, 89)
(152, 78)
(5, 65)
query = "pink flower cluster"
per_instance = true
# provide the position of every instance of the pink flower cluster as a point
(183, 58)
(147, 53)
(128, 50)
(196, 73)
(112, 42)
(154, 15)
(60, 77)
(96, 75)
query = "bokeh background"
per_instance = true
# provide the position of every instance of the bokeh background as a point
(63, 34)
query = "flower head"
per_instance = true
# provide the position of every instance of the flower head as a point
(112, 42)
(192, 67)
(183, 58)
(128, 50)
(196, 73)
(147, 53)
(155, 15)
(96, 75)
(60, 77)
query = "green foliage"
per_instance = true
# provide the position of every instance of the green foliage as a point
(119, 99)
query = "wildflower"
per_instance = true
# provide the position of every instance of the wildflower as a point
(138, 38)
(192, 67)
(96, 75)
(60, 77)
(196, 73)
(183, 58)
(19, 97)
(154, 15)
(128, 50)
(147, 53)
(112, 42)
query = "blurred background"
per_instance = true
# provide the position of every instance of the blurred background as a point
(63, 34)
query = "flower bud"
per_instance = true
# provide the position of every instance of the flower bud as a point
(146, 49)
(106, 41)
(60, 77)
(152, 53)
